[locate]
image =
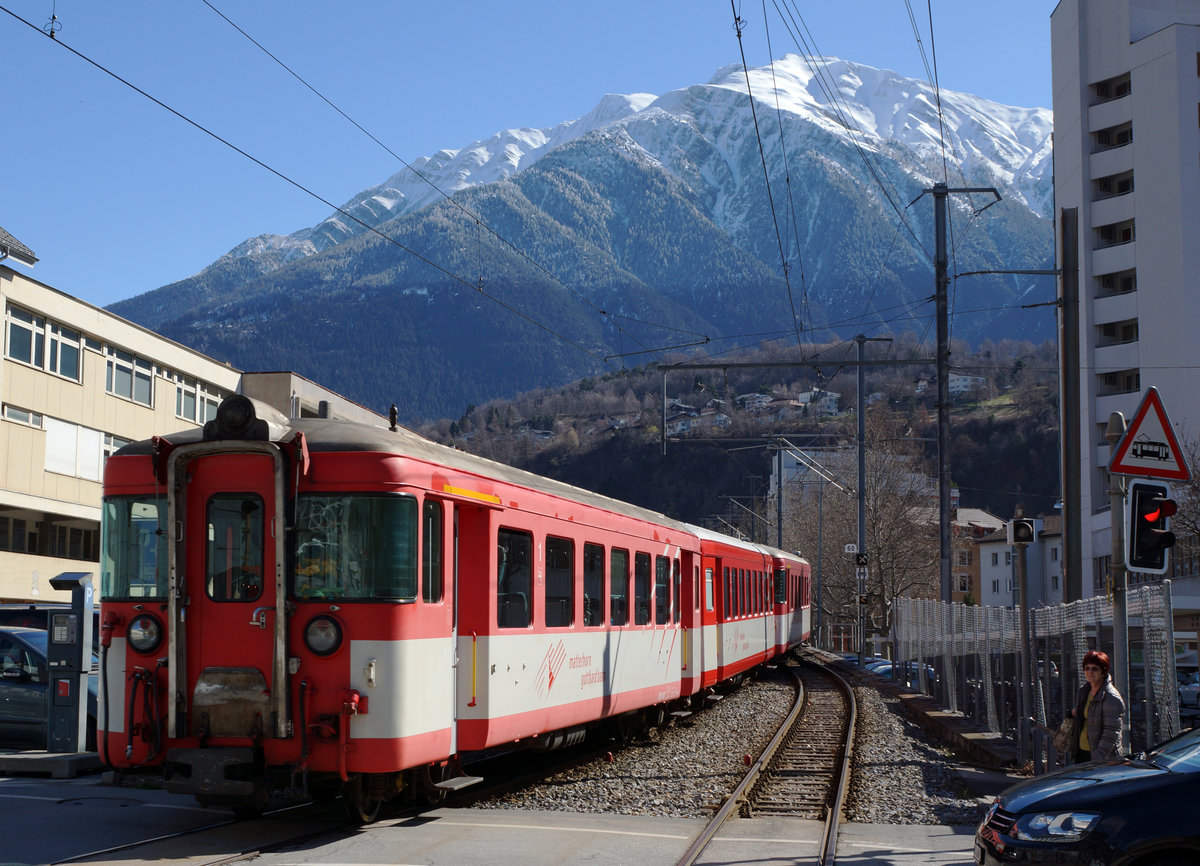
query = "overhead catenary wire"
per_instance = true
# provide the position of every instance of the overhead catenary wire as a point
(299, 186)
(737, 23)
(480, 223)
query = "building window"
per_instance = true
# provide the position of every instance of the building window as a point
(995, 559)
(964, 583)
(964, 557)
(996, 586)
(1054, 554)
(17, 535)
(113, 444)
(1054, 582)
(195, 400)
(23, 416)
(129, 376)
(1114, 136)
(40, 343)
(1008, 557)
(1117, 284)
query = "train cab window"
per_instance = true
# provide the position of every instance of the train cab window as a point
(560, 582)
(676, 587)
(593, 585)
(618, 575)
(662, 590)
(641, 588)
(233, 555)
(514, 579)
(432, 580)
(133, 548)
(356, 546)
(708, 589)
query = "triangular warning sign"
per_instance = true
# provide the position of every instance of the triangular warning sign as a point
(1149, 448)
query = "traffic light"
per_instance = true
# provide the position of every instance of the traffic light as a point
(1020, 531)
(1146, 533)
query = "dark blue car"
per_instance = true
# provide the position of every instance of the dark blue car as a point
(1134, 811)
(23, 681)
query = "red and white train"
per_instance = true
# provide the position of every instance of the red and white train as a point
(354, 608)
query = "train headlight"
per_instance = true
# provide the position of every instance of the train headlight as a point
(323, 635)
(145, 633)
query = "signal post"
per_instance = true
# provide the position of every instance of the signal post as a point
(1141, 541)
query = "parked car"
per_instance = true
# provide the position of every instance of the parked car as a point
(1189, 692)
(1127, 812)
(24, 712)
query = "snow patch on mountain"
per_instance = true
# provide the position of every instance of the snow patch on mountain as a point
(702, 134)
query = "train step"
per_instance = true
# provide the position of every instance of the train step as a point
(458, 783)
(681, 714)
(714, 697)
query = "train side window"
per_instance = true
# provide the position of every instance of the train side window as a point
(560, 582)
(432, 580)
(727, 610)
(233, 560)
(356, 546)
(641, 588)
(618, 575)
(696, 587)
(708, 589)
(676, 587)
(593, 585)
(662, 590)
(514, 579)
(781, 586)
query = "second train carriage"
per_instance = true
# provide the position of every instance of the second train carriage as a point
(343, 605)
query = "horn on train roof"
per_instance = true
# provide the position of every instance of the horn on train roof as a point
(240, 417)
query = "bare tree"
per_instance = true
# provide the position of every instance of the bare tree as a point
(900, 525)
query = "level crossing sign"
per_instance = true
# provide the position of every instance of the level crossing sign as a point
(1149, 448)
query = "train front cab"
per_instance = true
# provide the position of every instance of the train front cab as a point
(791, 604)
(304, 680)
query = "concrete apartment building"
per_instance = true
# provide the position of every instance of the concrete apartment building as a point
(1127, 159)
(77, 383)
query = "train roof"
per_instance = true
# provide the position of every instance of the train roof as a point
(765, 549)
(329, 435)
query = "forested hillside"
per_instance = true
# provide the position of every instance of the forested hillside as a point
(605, 434)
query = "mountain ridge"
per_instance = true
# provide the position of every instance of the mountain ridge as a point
(645, 207)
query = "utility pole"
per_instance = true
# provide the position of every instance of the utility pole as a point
(1068, 379)
(941, 297)
(861, 413)
(1118, 576)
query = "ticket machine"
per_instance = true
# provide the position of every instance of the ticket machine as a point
(69, 664)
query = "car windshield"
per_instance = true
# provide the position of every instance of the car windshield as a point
(1180, 753)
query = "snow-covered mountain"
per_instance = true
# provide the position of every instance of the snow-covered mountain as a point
(646, 210)
(875, 109)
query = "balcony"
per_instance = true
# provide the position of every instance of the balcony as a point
(1116, 160)
(1115, 209)
(1110, 260)
(1115, 308)
(1117, 356)
(1113, 112)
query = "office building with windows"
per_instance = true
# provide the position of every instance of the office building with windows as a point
(1127, 161)
(77, 383)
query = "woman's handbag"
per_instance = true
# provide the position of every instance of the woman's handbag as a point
(1062, 737)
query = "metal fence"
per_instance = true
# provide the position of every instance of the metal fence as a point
(969, 658)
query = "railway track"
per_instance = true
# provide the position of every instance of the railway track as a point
(804, 771)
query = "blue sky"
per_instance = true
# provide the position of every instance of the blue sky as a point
(117, 196)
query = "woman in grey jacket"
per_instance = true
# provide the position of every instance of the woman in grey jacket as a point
(1098, 713)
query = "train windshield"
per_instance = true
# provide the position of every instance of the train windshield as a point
(356, 546)
(133, 548)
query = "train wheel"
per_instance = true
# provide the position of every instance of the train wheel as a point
(360, 807)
